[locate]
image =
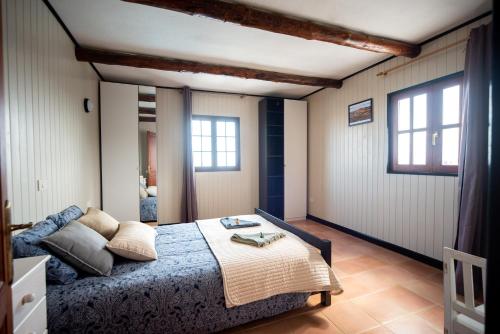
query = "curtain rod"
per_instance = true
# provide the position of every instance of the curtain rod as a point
(384, 73)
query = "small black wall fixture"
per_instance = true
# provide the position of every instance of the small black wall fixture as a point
(88, 106)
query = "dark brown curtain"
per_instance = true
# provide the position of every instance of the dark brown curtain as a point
(473, 166)
(189, 204)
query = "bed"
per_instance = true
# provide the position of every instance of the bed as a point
(181, 292)
(148, 209)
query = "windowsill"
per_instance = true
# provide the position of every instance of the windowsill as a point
(421, 173)
(203, 170)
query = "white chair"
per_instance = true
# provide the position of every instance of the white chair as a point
(462, 317)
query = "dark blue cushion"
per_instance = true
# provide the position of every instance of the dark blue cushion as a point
(62, 218)
(27, 243)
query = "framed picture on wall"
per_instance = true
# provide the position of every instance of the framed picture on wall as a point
(360, 112)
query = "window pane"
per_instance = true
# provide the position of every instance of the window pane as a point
(221, 159)
(419, 147)
(230, 129)
(231, 159)
(206, 128)
(404, 114)
(221, 128)
(196, 143)
(206, 159)
(231, 144)
(450, 146)
(195, 127)
(451, 105)
(404, 149)
(214, 142)
(221, 144)
(206, 144)
(420, 111)
(197, 159)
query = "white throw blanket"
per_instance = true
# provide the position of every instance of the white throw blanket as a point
(251, 273)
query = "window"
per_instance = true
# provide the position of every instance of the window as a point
(215, 143)
(424, 127)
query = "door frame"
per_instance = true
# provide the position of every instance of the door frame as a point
(5, 246)
(152, 158)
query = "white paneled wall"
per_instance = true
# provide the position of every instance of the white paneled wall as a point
(50, 138)
(231, 193)
(219, 193)
(348, 182)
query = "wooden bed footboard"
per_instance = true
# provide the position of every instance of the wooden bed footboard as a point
(325, 246)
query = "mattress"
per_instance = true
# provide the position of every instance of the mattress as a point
(181, 292)
(148, 209)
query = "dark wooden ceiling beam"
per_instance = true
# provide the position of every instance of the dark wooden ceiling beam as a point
(178, 65)
(281, 24)
(145, 110)
(147, 119)
(147, 97)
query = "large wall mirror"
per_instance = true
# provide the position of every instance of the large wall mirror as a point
(147, 154)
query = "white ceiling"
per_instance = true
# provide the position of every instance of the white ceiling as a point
(147, 90)
(147, 104)
(201, 81)
(121, 26)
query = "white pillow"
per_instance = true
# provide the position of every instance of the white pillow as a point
(135, 241)
(143, 193)
(151, 190)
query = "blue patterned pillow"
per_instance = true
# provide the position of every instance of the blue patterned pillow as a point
(27, 243)
(62, 218)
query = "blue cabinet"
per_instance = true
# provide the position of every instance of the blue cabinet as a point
(271, 156)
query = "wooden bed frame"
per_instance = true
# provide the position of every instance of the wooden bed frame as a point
(325, 246)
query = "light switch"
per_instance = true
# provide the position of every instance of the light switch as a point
(41, 185)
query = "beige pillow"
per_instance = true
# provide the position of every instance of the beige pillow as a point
(100, 222)
(135, 241)
(142, 193)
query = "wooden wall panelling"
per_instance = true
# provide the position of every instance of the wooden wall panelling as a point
(50, 138)
(347, 179)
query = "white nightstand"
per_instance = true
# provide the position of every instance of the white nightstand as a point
(28, 295)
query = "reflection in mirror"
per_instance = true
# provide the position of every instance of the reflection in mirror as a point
(147, 154)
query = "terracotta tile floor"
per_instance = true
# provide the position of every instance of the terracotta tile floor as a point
(385, 292)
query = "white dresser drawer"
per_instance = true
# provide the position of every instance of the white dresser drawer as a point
(28, 288)
(36, 321)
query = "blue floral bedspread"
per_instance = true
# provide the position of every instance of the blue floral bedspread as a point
(148, 209)
(181, 292)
